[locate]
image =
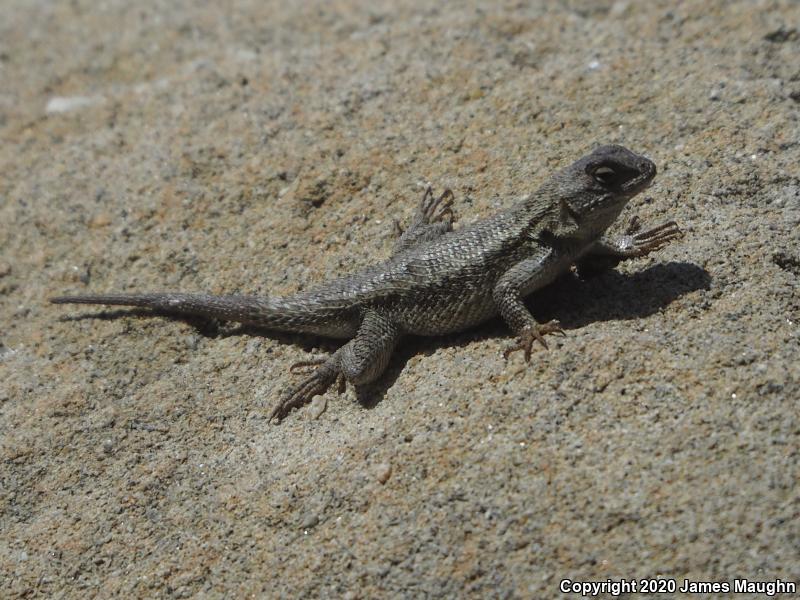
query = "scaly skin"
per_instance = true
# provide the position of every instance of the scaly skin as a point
(439, 280)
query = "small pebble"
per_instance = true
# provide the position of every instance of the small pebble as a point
(310, 521)
(107, 447)
(76, 274)
(382, 472)
(102, 219)
(192, 342)
(317, 407)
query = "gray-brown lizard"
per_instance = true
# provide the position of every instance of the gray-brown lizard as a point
(439, 280)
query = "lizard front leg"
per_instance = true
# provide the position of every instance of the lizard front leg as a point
(608, 252)
(520, 280)
(359, 361)
(434, 217)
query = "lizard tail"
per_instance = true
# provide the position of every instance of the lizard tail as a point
(243, 309)
(273, 313)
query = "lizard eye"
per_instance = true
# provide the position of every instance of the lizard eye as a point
(605, 175)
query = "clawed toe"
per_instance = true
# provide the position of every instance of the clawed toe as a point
(634, 226)
(669, 228)
(300, 365)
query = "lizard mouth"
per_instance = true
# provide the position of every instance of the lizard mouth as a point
(641, 179)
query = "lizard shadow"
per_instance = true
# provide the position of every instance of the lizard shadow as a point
(575, 302)
(615, 296)
(210, 328)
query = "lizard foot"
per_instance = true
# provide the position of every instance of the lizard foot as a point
(431, 210)
(316, 384)
(654, 239)
(533, 334)
(437, 209)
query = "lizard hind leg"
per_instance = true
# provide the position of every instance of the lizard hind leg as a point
(366, 356)
(359, 361)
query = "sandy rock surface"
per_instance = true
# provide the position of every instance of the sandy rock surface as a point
(260, 147)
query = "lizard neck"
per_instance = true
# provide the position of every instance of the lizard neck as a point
(589, 227)
(544, 215)
(537, 212)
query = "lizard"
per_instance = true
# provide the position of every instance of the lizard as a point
(440, 280)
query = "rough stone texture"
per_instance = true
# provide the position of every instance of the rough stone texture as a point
(263, 146)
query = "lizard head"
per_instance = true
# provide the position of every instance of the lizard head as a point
(602, 182)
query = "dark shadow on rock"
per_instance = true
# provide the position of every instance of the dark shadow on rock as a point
(614, 296)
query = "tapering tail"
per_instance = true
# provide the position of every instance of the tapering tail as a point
(243, 309)
(155, 300)
(281, 314)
